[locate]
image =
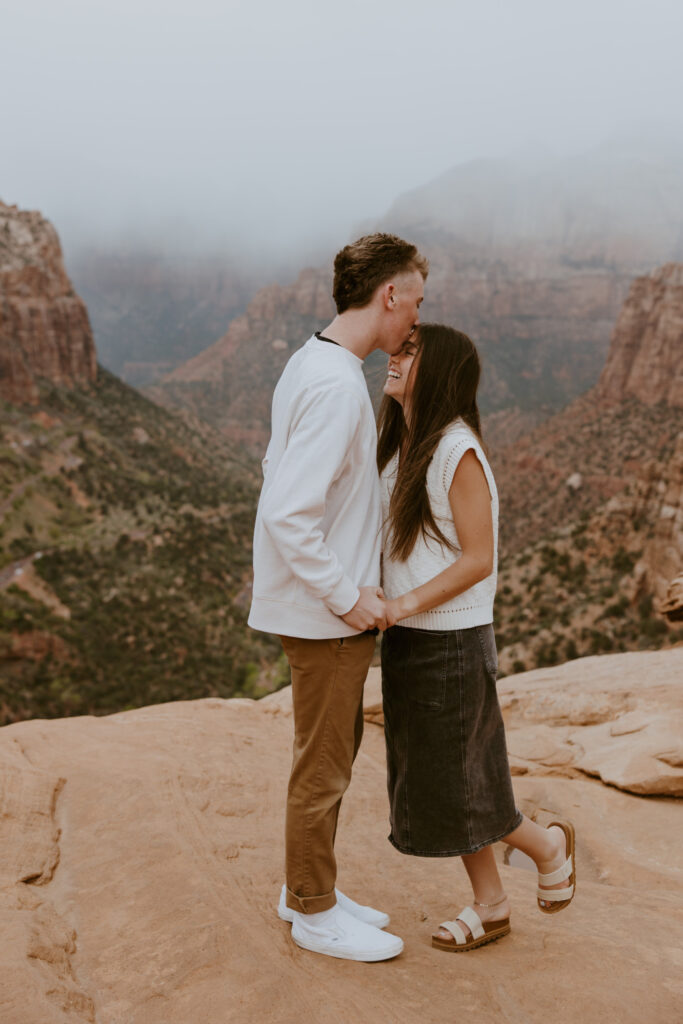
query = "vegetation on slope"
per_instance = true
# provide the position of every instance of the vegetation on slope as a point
(584, 500)
(126, 546)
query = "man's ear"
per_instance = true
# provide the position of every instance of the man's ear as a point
(389, 295)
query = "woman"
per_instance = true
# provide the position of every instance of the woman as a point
(449, 782)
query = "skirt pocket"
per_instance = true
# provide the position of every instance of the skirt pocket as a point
(487, 642)
(427, 670)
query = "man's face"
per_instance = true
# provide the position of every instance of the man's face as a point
(403, 310)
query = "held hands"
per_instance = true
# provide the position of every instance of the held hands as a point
(372, 610)
(369, 610)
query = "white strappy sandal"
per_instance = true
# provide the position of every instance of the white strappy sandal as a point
(480, 933)
(561, 898)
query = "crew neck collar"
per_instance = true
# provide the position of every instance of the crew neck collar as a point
(334, 346)
(322, 337)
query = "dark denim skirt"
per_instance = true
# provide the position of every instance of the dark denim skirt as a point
(450, 790)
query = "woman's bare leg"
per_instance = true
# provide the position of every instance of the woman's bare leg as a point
(487, 888)
(547, 847)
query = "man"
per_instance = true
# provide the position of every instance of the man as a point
(316, 573)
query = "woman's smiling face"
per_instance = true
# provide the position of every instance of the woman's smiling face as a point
(399, 382)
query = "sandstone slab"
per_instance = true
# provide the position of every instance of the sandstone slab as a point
(159, 908)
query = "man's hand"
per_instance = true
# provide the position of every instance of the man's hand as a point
(368, 611)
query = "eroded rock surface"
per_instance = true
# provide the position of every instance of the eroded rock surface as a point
(37, 983)
(160, 905)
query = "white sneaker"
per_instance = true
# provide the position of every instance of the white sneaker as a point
(365, 914)
(336, 933)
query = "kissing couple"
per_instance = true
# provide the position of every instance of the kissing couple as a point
(391, 526)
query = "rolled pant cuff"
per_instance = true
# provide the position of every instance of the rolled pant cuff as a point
(311, 904)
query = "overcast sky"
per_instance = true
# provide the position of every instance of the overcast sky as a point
(288, 124)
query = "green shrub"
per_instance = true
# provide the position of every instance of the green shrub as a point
(617, 609)
(623, 561)
(547, 654)
(653, 628)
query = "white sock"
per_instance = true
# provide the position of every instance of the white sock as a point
(317, 920)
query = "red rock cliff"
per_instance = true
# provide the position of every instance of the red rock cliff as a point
(44, 327)
(645, 359)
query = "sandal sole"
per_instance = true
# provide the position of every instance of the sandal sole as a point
(570, 836)
(453, 947)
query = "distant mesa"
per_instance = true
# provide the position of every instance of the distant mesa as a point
(608, 208)
(44, 327)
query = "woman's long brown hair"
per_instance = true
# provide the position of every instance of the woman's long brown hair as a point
(445, 374)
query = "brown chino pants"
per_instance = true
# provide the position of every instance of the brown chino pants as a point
(327, 691)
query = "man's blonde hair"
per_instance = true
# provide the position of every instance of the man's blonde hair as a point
(361, 267)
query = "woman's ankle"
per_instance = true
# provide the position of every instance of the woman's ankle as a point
(492, 910)
(492, 900)
(552, 851)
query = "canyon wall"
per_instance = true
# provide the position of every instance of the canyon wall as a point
(645, 358)
(152, 310)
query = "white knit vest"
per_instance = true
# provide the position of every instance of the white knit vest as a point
(474, 607)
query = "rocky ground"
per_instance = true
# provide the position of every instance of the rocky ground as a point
(142, 859)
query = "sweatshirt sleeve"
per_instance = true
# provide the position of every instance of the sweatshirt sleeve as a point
(322, 434)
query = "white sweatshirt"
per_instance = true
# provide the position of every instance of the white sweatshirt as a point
(318, 526)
